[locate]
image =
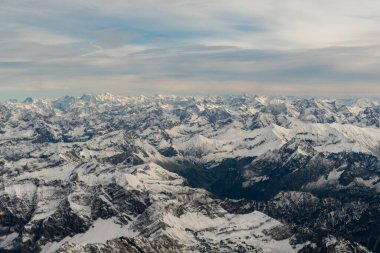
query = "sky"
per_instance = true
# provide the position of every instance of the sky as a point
(324, 48)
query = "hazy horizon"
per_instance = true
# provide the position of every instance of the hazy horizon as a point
(292, 48)
(79, 95)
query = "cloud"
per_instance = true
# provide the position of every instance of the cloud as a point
(198, 69)
(152, 46)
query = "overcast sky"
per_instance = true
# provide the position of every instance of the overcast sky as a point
(128, 47)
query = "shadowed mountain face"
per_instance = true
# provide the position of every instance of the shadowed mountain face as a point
(189, 174)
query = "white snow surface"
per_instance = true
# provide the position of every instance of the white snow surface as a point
(168, 193)
(46, 145)
(100, 232)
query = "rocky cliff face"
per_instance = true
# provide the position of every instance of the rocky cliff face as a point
(189, 174)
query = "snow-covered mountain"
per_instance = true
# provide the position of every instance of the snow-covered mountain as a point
(190, 174)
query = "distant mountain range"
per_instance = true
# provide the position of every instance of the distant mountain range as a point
(141, 174)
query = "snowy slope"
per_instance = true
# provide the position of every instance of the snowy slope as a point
(85, 172)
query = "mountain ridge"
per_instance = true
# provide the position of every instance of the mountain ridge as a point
(149, 168)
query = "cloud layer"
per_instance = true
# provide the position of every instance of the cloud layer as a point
(292, 47)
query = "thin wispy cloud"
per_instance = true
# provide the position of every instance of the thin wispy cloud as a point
(164, 46)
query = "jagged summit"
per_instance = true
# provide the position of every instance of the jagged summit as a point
(189, 174)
